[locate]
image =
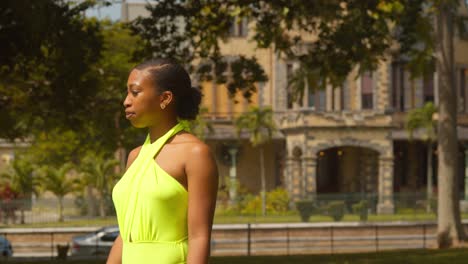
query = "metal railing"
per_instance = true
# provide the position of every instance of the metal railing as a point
(260, 239)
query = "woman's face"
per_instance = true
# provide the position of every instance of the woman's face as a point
(142, 104)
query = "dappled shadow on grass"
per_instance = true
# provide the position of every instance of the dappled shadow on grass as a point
(451, 256)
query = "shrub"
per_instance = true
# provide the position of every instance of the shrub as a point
(336, 209)
(251, 205)
(306, 208)
(277, 201)
(361, 210)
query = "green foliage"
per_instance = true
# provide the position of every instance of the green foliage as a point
(361, 209)
(59, 182)
(45, 72)
(201, 126)
(51, 83)
(98, 172)
(107, 127)
(306, 208)
(335, 209)
(250, 204)
(277, 201)
(422, 118)
(19, 176)
(189, 32)
(259, 124)
(56, 147)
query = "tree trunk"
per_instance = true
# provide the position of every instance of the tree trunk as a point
(22, 216)
(449, 231)
(429, 177)
(91, 201)
(102, 206)
(60, 202)
(263, 181)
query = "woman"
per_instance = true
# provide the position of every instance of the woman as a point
(165, 201)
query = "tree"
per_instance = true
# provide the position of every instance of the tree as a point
(349, 34)
(188, 31)
(58, 181)
(107, 124)
(19, 176)
(99, 173)
(45, 80)
(260, 126)
(423, 119)
(449, 227)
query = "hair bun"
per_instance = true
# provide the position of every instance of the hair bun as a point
(188, 106)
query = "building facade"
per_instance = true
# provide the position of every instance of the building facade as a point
(348, 139)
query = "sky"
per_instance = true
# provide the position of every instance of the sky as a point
(112, 12)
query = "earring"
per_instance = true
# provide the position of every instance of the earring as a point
(163, 106)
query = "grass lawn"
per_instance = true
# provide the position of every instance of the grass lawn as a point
(452, 256)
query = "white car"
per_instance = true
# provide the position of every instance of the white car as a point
(6, 250)
(96, 243)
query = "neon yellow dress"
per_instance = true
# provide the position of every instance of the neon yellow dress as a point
(151, 209)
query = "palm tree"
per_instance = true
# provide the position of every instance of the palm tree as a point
(259, 124)
(301, 79)
(422, 118)
(99, 173)
(58, 182)
(19, 178)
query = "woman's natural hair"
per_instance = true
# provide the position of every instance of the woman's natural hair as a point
(168, 75)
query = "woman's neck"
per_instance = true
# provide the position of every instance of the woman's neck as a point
(161, 128)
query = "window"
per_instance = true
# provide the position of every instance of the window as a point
(428, 87)
(463, 28)
(462, 87)
(110, 237)
(316, 98)
(239, 27)
(398, 86)
(311, 98)
(367, 94)
(345, 100)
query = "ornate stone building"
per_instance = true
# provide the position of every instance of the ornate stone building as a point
(349, 139)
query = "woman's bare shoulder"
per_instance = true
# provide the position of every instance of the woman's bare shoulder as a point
(133, 155)
(191, 143)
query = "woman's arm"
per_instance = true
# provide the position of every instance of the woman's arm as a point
(115, 254)
(202, 180)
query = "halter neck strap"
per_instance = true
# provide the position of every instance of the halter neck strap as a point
(157, 145)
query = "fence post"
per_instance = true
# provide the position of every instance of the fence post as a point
(424, 236)
(96, 244)
(248, 239)
(6, 238)
(332, 248)
(376, 238)
(51, 245)
(287, 240)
